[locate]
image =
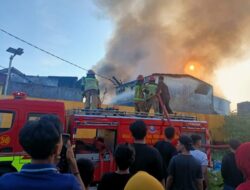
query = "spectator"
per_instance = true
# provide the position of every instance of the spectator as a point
(86, 169)
(99, 145)
(124, 157)
(143, 181)
(43, 142)
(6, 168)
(184, 171)
(232, 176)
(54, 120)
(166, 149)
(147, 158)
(62, 165)
(243, 162)
(201, 157)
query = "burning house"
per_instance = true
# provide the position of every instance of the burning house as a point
(188, 94)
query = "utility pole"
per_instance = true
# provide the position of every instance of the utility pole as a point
(14, 52)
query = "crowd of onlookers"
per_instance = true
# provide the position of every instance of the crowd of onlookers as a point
(139, 166)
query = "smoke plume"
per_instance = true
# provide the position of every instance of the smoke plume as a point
(164, 35)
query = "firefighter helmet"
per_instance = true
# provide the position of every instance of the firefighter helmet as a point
(140, 77)
(91, 72)
(152, 78)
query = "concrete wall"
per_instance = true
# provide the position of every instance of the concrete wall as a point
(243, 108)
(221, 106)
(190, 95)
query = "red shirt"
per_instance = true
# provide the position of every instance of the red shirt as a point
(243, 163)
(244, 186)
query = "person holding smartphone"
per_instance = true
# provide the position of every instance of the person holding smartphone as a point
(42, 140)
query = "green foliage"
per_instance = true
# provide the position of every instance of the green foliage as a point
(237, 127)
(215, 181)
(217, 154)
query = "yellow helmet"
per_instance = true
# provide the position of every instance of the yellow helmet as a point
(143, 181)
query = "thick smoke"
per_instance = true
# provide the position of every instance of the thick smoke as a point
(163, 35)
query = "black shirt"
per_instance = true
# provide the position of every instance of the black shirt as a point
(113, 181)
(147, 159)
(167, 151)
(185, 170)
(229, 171)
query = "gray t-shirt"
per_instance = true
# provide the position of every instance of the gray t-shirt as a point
(200, 156)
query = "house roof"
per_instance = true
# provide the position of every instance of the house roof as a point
(170, 75)
(56, 81)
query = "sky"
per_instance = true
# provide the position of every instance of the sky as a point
(74, 30)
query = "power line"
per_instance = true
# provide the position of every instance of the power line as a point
(51, 54)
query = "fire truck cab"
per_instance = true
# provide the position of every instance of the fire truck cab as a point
(14, 113)
(94, 133)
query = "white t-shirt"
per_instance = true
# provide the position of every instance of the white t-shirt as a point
(200, 156)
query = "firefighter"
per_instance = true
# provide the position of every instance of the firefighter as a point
(164, 94)
(91, 91)
(139, 100)
(151, 98)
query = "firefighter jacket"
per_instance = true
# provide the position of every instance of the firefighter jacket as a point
(150, 90)
(90, 84)
(139, 95)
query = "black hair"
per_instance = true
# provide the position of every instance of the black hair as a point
(55, 120)
(195, 138)
(39, 139)
(138, 130)
(186, 141)
(161, 77)
(124, 156)
(169, 132)
(234, 143)
(86, 170)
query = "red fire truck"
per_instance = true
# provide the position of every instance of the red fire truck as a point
(95, 133)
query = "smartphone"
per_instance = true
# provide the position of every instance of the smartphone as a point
(63, 164)
(65, 137)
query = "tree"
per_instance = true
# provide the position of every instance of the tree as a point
(237, 127)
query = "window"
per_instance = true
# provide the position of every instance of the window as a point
(6, 120)
(94, 140)
(109, 137)
(85, 133)
(35, 116)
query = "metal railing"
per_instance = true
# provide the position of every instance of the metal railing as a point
(115, 112)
